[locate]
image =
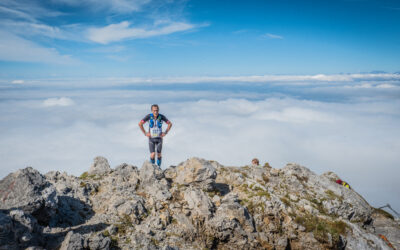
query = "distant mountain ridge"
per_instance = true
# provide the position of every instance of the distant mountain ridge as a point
(199, 204)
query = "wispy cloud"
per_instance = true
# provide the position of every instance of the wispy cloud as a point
(25, 10)
(18, 82)
(108, 49)
(114, 6)
(242, 31)
(62, 101)
(14, 48)
(273, 36)
(34, 29)
(122, 31)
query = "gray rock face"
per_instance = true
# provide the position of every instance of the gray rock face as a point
(100, 166)
(387, 227)
(99, 242)
(196, 172)
(73, 241)
(19, 230)
(29, 191)
(153, 182)
(231, 220)
(343, 202)
(198, 204)
(6, 232)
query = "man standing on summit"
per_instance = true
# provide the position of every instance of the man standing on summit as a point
(155, 133)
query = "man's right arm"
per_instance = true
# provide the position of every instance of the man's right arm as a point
(143, 121)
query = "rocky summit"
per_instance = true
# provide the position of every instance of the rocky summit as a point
(198, 204)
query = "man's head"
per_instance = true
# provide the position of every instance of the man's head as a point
(155, 109)
(255, 162)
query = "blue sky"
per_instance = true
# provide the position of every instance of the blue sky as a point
(311, 82)
(59, 38)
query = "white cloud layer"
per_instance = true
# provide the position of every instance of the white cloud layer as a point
(295, 79)
(122, 31)
(359, 140)
(62, 101)
(388, 81)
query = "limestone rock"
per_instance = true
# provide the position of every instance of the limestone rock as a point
(196, 172)
(230, 215)
(73, 241)
(198, 204)
(99, 242)
(153, 182)
(29, 191)
(99, 166)
(19, 230)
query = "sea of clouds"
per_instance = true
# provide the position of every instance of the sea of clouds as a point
(345, 124)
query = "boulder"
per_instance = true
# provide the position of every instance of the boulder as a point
(199, 203)
(153, 182)
(29, 191)
(100, 166)
(196, 172)
(150, 172)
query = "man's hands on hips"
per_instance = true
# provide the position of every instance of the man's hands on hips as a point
(162, 134)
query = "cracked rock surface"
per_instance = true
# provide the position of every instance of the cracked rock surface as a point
(199, 204)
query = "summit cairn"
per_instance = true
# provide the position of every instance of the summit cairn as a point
(198, 204)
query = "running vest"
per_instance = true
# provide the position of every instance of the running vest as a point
(155, 126)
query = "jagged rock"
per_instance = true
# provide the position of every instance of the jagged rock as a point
(19, 230)
(153, 182)
(29, 191)
(150, 172)
(68, 185)
(6, 232)
(334, 198)
(230, 215)
(198, 204)
(99, 242)
(100, 166)
(383, 225)
(170, 173)
(73, 241)
(359, 239)
(196, 172)
(134, 207)
(126, 171)
(331, 176)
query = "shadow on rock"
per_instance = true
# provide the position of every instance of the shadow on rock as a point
(55, 239)
(222, 188)
(70, 212)
(18, 230)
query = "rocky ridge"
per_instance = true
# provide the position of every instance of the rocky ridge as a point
(198, 204)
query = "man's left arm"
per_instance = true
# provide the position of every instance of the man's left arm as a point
(169, 126)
